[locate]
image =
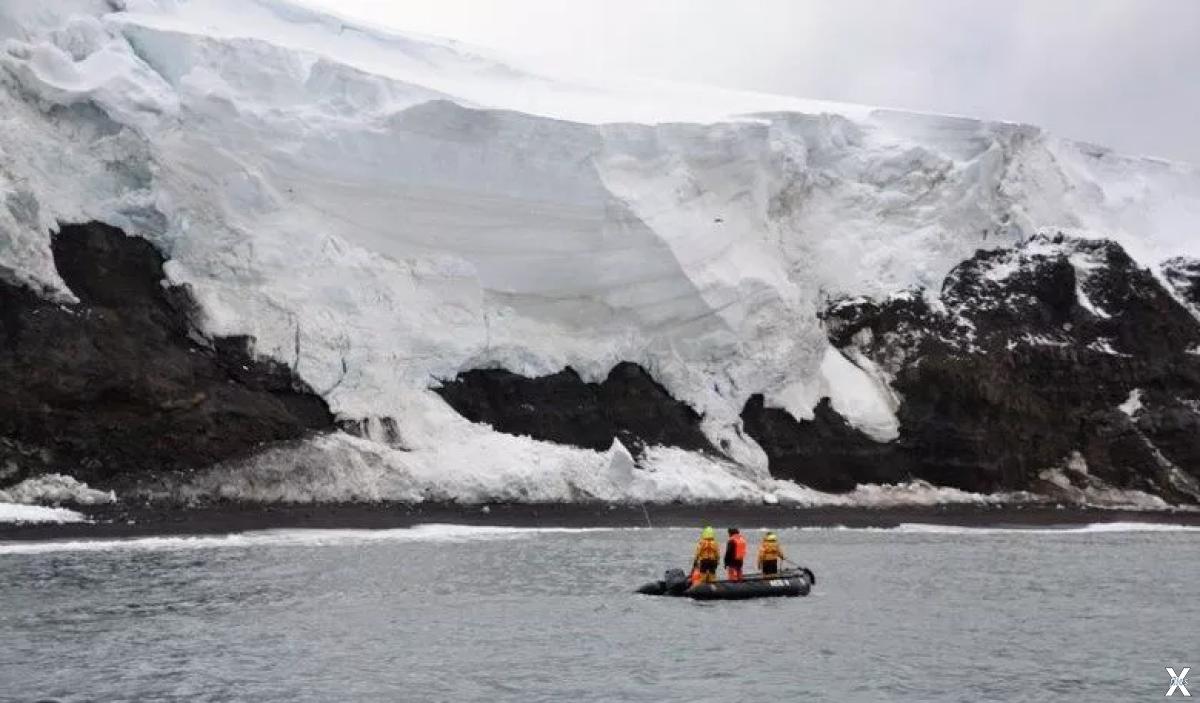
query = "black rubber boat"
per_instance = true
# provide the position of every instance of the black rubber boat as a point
(797, 582)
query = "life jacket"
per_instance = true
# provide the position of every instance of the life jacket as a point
(707, 550)
(739, 547)
(769, 551)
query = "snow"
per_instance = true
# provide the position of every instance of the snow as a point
(620, 464)
(345, 468)
(916, 492)
(55, 489)
(19, 503)
(1084, 265)
(1104, 346)
(1041, 340)
(1001, 270)
(1096, 493)
(339, 467)
(1087, 304)
(1076, 485)
(861, 395)
(16, 512)
(381, 211)
(1133, 404)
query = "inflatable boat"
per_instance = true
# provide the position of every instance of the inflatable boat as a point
(797, 582)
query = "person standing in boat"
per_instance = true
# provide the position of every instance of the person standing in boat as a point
(735, 555)
(708, 554)
(769, 555)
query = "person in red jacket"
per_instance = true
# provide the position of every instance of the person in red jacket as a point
(735, 555)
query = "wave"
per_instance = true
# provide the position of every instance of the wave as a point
(917, 528)
(449, 533)
(292, 538)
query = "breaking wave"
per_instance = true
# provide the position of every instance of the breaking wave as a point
(916, 528)
(292, 538)
(469, 533)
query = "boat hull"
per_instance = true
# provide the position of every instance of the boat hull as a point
(783, 585)
(780, 587)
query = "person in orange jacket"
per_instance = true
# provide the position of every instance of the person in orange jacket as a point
(769, 555)
(735, 555)
(704, 561)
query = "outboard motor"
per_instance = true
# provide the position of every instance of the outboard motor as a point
(675, 581)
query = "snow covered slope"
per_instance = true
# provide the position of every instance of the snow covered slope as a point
(382, 211)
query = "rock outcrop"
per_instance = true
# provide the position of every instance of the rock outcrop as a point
(1057, 353)
(628, 405)
(119, 384)
(1184, 275)
(825, 452)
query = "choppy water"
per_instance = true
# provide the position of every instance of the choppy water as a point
(464, 614)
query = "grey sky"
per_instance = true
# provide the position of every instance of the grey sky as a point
(1124, 73)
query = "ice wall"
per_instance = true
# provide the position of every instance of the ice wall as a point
(383, 211)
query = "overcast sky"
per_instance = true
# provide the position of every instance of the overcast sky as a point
(1124, 73)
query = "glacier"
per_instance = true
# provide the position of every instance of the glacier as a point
(382, 211)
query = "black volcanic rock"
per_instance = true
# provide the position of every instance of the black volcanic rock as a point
(825, 452)
(120, 385)
(1184, 274)
(563, 408)
(1022, 361)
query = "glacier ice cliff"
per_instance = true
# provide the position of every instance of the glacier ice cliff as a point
(385, 215)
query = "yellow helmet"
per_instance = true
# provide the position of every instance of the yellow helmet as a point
(771, 537)
(708, 533)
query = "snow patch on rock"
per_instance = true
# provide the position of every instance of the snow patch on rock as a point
(54, 489)
(1097, 494)
(1104, 346)
(494, 468)
(21, 513)
(1076, 485)
(1132, 404)
(915, 492)
(861, 395)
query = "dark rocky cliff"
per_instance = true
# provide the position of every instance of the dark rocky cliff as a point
(628, 405)
(1021, 363)
(119, 385)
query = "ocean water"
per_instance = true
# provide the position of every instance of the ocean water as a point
(442, 613)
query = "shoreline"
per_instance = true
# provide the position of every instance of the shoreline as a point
(163, 519)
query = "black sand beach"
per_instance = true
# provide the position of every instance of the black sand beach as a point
(149, 519)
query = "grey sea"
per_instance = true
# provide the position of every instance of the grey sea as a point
(445, 613)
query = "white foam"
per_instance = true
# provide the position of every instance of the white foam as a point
(295, 538)
(466, 533)
(1092, 528)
